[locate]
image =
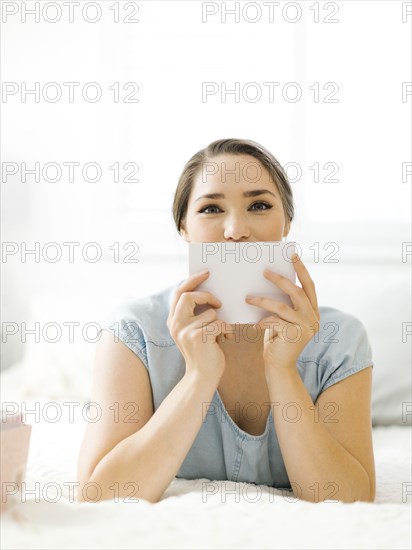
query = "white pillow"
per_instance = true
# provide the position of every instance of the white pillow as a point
(60, 370)
(379, 295)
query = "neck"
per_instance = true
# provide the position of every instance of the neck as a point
(244, 337)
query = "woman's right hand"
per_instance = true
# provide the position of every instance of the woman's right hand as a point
(196, 335)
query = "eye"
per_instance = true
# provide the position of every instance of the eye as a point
(203, 210)
(265, 204)
(268, 206)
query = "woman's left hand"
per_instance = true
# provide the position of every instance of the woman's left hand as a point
(289, 330)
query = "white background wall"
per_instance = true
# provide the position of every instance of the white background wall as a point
(170, 53)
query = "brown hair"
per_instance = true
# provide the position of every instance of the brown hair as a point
(230, 146)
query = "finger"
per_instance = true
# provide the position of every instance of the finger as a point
(188, 301)
(207, 321)
(271, 326)
(228, 331)
(282, 310)
(306, 281)
(296, 294)
(272, 321)
(275, 327)
(211, 325)
(225, 330)
(189, 284)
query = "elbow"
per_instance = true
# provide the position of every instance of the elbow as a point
(84, 473)
(80, 497)
(91, 491)
(95, 486)
(348, 494)
(368, 494)
(83, 497)
(372, 492)
(364, 489)
(82, 493)
(88, 490)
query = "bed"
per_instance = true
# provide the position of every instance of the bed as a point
(206, 513)
(200, 513)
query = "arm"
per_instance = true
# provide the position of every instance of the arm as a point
(148, 455)
(327, 452)
(324, 459)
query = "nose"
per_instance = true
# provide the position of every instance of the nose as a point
(236, 228)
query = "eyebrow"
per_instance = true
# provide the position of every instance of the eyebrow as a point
(254, 193)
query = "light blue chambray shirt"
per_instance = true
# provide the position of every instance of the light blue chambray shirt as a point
(222, 450)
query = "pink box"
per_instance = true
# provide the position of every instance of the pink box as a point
(15, 439)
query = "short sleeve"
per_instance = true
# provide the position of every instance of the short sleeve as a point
(349, 352)
(128, 330)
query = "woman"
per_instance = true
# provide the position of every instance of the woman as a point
(290, 413)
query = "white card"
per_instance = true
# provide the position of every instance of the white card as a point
(236, 269)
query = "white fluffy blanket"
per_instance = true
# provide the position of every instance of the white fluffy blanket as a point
(237, 515)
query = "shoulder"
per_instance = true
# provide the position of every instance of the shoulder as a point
(339, 349)
(142, 320)
(338, 331)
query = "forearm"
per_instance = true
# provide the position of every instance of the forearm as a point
(318, 467)
(149, 459)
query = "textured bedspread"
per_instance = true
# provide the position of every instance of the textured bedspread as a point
(203, 514)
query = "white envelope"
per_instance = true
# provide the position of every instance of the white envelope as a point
(236, 269)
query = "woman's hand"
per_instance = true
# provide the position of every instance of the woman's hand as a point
(289, 330)
(196, 336)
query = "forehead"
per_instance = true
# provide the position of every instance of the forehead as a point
(244, 170)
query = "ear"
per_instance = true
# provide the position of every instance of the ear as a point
(183, 233)
(286, 230)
